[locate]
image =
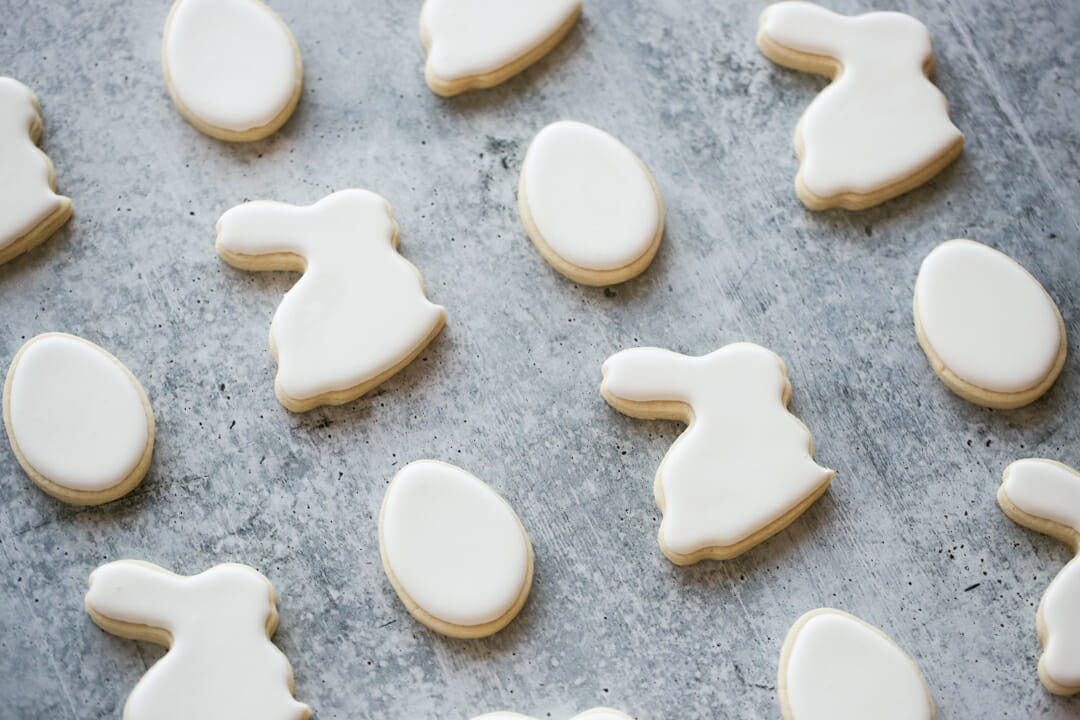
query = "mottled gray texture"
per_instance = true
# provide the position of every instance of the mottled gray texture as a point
(909, 537)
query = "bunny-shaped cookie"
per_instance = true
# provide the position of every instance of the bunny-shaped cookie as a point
(221, 664)
(881, 128)
(744, 469)
(1045, 496)
(30, 209)
(357, 316)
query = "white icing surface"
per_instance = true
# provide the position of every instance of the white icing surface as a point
(221, 665)
(1046, 490)
(453, 544)
(589, 197)
(359, 308)
(1061, 656)
(1052, 492)
(881, 120)
(231, 62)
(75, 414)
(743, 462)
(476, 37)
(840, 669)
(988, 320)
(24, 173)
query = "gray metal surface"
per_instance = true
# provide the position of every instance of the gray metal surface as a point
(909, 537)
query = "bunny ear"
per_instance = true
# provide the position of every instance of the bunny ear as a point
(803, 28)
(134, 599)
(260, 228)
(1045, 496)
(647, 375)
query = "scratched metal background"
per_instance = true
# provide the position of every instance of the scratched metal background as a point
(909, 537)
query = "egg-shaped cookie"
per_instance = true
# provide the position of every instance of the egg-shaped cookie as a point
(454, 550)
(480, 43)
(589, 204)
(834, 666)
(79, 422)
(991, 332)
(232, 67)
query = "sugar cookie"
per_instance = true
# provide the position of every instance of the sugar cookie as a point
(1045, 496)
(834, 666)
(594, 714)
(589, 204)
(881, 128)
(991, 332)
(743, 470)
(31, 210)
(232, 67)
(480, 43)
(77, 419)
(217, 625)
(454, 550)
(357, 316)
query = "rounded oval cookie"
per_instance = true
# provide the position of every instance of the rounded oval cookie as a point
(455, 551)
(834, 666)
(991, 332)
(79, 422)
(481, 43)
(589, 204)
(232, 67)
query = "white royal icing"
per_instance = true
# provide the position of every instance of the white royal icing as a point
(1050, 491)
(840, 668)
(76, 415)
(221, 664)
(743, 462)
(454, 546)
(358, 311)
(590, 197)
(881, 120)
(986, 317)
(476, 37)
(27, 196)
(232, 63)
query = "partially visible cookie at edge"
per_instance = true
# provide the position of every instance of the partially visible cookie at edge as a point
(232, 67)
(1044, 496)
(473, 44)
(30, 210)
